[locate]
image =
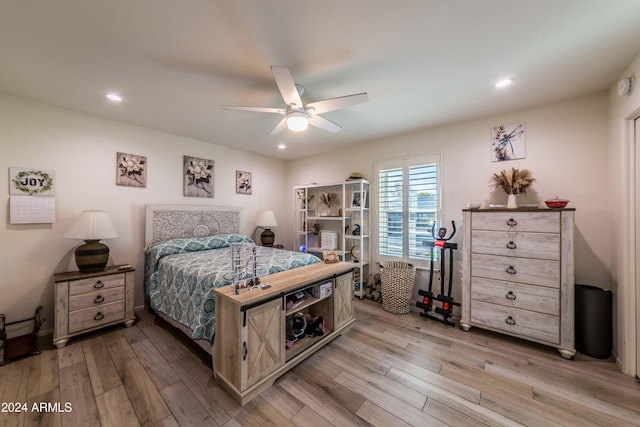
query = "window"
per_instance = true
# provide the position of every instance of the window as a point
(408, 204)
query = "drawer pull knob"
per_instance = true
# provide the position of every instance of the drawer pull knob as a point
(511, 270)
(98, 316)
(98, 285)
(512, 222)
(99, 299)
(510, 321)
(510, 295)
(511, 245)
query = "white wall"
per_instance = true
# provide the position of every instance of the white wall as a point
(81, 149)
(566, 150)
(622, 197)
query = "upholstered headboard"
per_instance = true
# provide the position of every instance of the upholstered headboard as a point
(165, 222)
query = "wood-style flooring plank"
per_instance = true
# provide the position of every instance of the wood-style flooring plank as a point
(387, 402)
(70, 354)
(161, 373)
(101, 369)
(75, 387)
(378, 417)
(184, 407)
(198, 378)
(43, 375)
(145, 398)
(307, 417)
(115, 409)
(451, 416)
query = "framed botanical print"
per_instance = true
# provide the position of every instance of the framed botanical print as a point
(131, 170)
(243, 182)
(198, 177)
(507, 142)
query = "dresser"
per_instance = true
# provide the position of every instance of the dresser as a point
(518, 274)
(88, 301)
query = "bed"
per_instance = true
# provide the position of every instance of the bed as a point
(187, 255)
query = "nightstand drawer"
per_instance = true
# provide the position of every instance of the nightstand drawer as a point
(527, 297)
(96, 283)
(96, 298)
(95, 316)
(527, 324)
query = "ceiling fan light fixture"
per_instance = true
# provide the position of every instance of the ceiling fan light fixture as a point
(297, 121)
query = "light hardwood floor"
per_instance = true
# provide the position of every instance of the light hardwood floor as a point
(388, 370)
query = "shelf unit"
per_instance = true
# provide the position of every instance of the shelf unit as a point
(348, 214)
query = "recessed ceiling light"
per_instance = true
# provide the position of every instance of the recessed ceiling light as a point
(113, 97)
(281, 146)
(504, 83)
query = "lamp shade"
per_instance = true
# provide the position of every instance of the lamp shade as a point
(266, 220)
(91, 226)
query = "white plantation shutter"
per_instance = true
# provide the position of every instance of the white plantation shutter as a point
(408, 203)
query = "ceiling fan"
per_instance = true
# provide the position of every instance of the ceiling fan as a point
(296, 115)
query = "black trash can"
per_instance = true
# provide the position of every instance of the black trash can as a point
(593, 322)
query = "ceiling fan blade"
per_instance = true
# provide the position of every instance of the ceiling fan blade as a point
(287, 86)
(333, 104)
(322, 123)
(256, 109)
(282, 125)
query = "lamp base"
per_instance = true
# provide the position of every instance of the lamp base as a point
(92, 256)
(267, 237)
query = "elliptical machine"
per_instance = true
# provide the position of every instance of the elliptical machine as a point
(446, 308)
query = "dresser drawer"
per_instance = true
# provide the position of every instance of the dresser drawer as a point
(95, 316)
(95, 283)
(527, 297)
(523, 245)
(96, 298)
(541, 222)
(514, 321)
(512, 269)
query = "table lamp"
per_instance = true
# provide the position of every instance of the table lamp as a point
(267, 220)
(92, 226)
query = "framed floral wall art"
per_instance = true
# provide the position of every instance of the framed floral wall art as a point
(131, 170)
(507, 142)
(198, 177)
(243, 182)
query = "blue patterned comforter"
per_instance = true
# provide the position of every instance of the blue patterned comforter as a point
(180, 276)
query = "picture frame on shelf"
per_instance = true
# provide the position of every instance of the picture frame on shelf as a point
(358, 199)
(330, 257)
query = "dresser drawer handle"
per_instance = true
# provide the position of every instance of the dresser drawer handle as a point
(511, 270)
(510, 295)
(512, 222)
(98, 285)
(98, 316)
(511, 245)
(510, 321)
(98, 299)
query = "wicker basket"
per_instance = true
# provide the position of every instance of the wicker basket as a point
(398, 279)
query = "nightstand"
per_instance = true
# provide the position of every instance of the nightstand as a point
(86, 302)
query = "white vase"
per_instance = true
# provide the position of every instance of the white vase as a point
(511, 202)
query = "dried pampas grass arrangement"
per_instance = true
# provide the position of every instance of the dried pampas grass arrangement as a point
(513, 181)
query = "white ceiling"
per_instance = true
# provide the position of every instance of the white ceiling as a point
(423, 62)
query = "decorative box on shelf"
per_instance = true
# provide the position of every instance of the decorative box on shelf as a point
(328, 240)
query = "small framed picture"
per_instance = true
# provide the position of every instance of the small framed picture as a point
(359, 199)
(131, 170)
(198, 177)
(243, 182)
(330, 257)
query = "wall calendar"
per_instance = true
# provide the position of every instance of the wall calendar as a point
(32, 196)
